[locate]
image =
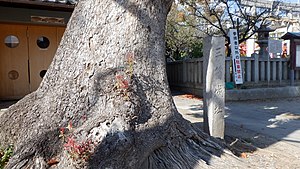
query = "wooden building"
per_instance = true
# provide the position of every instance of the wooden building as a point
(30, 32)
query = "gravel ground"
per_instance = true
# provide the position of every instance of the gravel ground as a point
(249, 132)
(261, 151)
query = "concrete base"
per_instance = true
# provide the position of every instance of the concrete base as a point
(252, 94)
(263, 93)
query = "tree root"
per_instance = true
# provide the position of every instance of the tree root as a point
(198, 151)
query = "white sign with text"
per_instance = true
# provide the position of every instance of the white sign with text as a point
(235, 53)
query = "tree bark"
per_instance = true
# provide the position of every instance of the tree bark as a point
(108, 80)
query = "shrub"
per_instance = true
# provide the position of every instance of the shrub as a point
(5, 155)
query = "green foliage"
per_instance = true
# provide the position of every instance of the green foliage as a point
(182, 40)
(5, 155)
(197, 49)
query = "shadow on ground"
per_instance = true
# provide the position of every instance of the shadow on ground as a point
(278, 119)
(5, 104)
(250, 124)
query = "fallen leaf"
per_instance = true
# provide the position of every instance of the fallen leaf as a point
(243, 155)
(190, 96)
(52, 161)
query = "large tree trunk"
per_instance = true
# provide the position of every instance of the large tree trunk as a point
(108, 79)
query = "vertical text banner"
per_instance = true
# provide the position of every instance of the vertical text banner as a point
(235, 53)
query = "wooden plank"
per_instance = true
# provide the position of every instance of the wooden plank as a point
(200, 73)
(40, 58)
(193, 72)
(256, 68)
(227, 71)
(176, 79)
(243, 69)
(196, 71)
(60, 32)
(274, 70)
(13, 63)
(180, 73)
(184, 71)
(285, 71)
(170, 74)
(268, 70)
(262, 71)
(248, 70)
(280, 73)
(177, 73)
(190, 72)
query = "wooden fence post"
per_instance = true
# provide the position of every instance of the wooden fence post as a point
(262, 68)
(184, 71)
(227, 69)
(268, 70)
(248, 70)
(280, 71)
(256, 68)
(274, 70)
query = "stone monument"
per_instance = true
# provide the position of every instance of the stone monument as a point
(263, 39)
(214, 86)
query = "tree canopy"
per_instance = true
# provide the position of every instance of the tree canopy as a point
(217, 17)
(182, 40)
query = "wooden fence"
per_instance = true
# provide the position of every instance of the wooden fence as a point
(258, 72)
